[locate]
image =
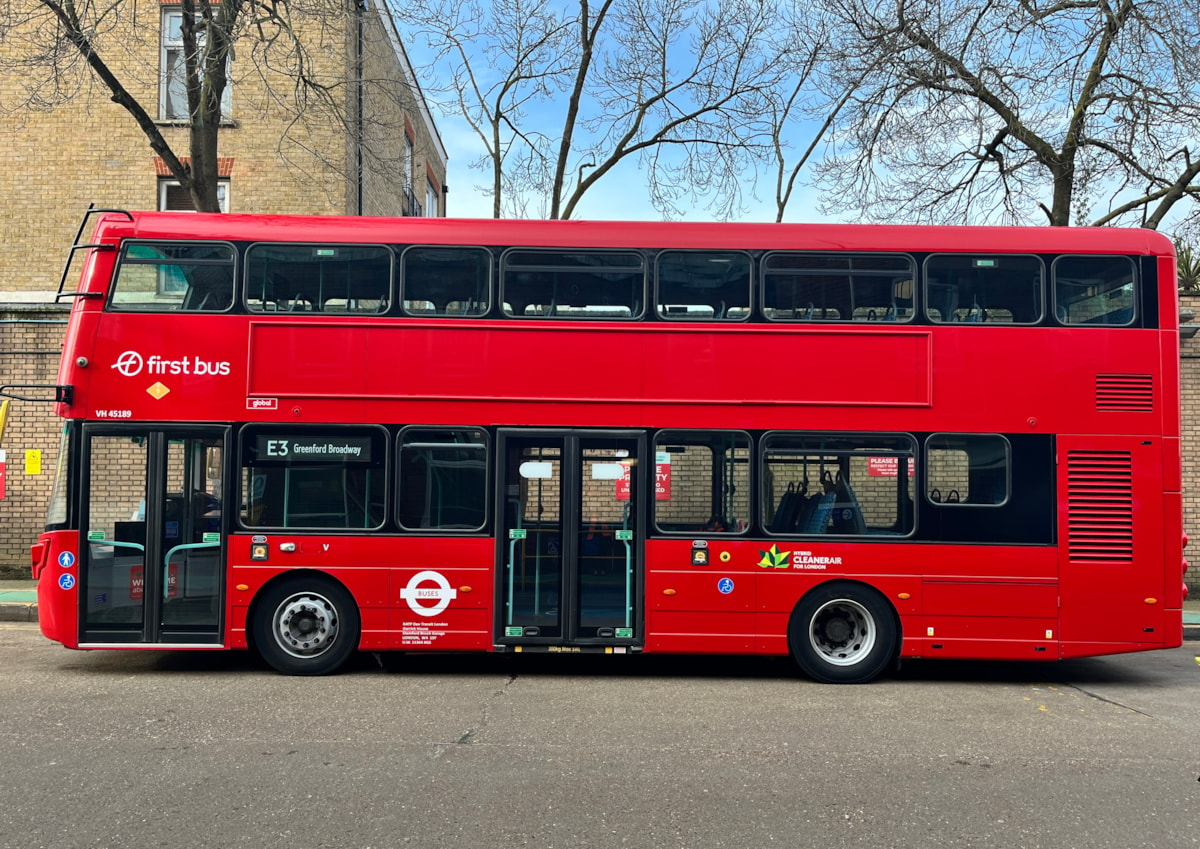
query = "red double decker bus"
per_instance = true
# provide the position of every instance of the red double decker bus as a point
(850, 444)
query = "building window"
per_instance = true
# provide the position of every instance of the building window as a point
(408, 163)
(431, 200)
(173, 198)
(173, 105)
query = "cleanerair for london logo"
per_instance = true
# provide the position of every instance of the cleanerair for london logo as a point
(131, 364)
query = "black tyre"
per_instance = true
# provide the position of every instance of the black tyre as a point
(306, 625)
(843, 633)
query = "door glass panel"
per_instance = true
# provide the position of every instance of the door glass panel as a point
(153, 569)
(191, 535)
(608, 477)
(534, 565)
(569, 542)
(115, 582)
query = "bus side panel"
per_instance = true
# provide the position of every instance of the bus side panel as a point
(441, 594)
(988, 619)
(694, 364)
(1173, 555)
(708, 609)
(1112, 561)
(58, 587)
(986, 601)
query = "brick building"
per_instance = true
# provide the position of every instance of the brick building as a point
(1189, 389)
(371, 148)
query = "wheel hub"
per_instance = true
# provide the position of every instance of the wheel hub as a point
(306, 625)
(837, 630)
(842, 632)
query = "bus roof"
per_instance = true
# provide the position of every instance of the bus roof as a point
(630, 234)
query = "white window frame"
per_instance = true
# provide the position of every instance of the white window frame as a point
(172, 46)
(408, 163)
(222, 195)
(431, 200)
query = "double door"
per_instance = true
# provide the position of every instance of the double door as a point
(152, 547)
(570, 538)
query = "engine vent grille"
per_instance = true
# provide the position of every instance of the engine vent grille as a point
(1100, 506)
(1125, 392)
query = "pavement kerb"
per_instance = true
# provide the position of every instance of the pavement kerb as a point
(18, 611)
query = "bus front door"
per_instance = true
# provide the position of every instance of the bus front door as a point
(151, 519)
(570, 540)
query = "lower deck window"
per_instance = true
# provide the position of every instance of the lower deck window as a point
(846, 484)
(443, 479)
(702, 482)
(313, 478)
(967, 469)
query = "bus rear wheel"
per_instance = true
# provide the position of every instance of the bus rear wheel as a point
(306, 625)
(843, 633)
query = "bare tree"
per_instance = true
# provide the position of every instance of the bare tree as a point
(1063, 111)
(805, 104)
(65, 50)
(561, 92)
(501, 61)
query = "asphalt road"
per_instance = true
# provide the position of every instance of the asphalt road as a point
(149, 749)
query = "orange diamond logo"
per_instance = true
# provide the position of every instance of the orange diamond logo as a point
(158, 391)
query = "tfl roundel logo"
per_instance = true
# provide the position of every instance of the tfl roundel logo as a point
(129, 364)
(441, 594)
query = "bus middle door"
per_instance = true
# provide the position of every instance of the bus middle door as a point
(570, 540)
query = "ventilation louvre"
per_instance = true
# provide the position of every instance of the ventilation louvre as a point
(1125, 393)
(1100, 506)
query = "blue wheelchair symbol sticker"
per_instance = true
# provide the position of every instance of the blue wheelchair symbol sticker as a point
(725, 585)
(66, 560)
(66, 581)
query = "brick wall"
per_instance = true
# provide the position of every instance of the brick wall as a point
(1189, 380)
(30, 343)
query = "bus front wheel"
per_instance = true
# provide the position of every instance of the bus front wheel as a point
(306, 625)
(843, 633)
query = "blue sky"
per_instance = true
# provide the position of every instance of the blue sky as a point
(622, 194)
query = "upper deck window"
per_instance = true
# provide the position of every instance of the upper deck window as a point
(173, 276)
(318, 278)
(573, 284)
(704, 285)
(838, 287)
(984, 288)
(446, 281)
(1094, 290)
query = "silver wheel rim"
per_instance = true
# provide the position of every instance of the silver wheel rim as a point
(305, 625)
(842, 632)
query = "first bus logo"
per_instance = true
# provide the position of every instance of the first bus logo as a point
(129, 364)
